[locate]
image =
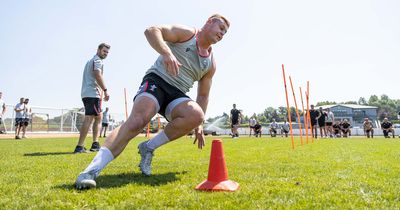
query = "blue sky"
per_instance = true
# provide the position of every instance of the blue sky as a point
(346, 49)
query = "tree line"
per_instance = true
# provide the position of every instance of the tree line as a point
(387, 107)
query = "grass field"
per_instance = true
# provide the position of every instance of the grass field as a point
(351, 173)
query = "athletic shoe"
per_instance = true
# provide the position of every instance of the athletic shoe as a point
(95, 147)
(80, 149)
(17, 137)
(85, 181)
(24, 136)
(146, 157)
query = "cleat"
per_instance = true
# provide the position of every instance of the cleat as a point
(146, 155)
(85, 181)
(79, 149)
(95, 147)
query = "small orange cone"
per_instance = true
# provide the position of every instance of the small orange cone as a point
(217, 172)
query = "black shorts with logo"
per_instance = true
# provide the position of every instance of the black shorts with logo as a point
(25, 121)
(19, 121)
(161, 90)
(92, 106)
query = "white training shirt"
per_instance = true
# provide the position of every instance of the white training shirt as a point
(28, 112)
(90, 88)
(106, 118)
(329, 117)
(20, 106)
(252, 122)
(1, 107)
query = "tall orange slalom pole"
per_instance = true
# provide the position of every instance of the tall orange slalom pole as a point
(297, 111)
(126, 105)
(305, 116)
(308, 111)
(288, 107)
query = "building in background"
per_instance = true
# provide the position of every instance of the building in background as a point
(354, 113)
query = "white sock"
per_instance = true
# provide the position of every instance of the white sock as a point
(157, 141)
(103, 157)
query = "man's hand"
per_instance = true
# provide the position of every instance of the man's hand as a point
(171, 64)
(106, 96)
(199, 137)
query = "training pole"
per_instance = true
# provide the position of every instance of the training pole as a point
(148, 131)
(288, 107)
(297, 111)
(126, 105)
(305, 117)
(308, 111)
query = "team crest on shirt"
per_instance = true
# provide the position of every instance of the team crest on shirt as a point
(153, 87)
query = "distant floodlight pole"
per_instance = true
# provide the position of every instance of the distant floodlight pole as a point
(288, 108)
(305, 116)
(126, 105)
(297, 111)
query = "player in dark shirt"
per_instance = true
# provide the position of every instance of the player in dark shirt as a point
(336, 129)
(346, 128)
(321, 122)
(235, 121)
(314, 115)
(257, 130)
(368, 128)
(387, 128)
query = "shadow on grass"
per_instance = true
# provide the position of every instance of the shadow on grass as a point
(119, 180)
(47, 153)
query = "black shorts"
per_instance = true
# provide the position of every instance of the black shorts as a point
(19, 121)
(25, 121)
(313, 123)
(104, 124)
(1, 121)
(328, 123)
(321, 124)
(92, 106)
(163, 92)
(234, 123)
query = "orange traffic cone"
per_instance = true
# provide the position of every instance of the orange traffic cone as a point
(217, 172)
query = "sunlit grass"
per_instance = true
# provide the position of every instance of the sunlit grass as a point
(351, 173)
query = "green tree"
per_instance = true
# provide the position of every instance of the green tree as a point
(362, 101)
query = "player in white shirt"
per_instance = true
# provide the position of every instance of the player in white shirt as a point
(3, 106)
(105, 122)
(273, 128)
(252, 123)
(26, 117)
(19, 116)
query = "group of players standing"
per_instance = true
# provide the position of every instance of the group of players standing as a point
(325, 120)
(23, 114)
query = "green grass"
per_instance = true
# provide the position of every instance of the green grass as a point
(351, 173)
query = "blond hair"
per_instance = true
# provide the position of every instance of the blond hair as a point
(218, 16)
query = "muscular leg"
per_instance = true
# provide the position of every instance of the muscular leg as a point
(95, 127)
(186, 116)
(105, 131)
(84, 129)
(101, 131)
(143, 110)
